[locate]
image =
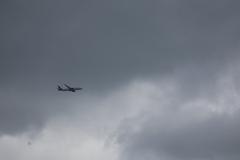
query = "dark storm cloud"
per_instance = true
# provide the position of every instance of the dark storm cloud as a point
(98, 44)
(92, 41)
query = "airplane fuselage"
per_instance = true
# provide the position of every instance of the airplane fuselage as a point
(72, 90)
(68, 88)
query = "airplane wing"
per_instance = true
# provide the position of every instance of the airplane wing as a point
(62, 89)
(67, 86)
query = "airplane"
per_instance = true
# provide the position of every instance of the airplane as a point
(68, 88)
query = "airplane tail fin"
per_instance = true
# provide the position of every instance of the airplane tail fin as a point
(59, 88)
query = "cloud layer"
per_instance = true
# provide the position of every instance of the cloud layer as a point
(203, 127)
(160, 79)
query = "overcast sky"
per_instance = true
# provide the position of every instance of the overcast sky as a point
(161, 79)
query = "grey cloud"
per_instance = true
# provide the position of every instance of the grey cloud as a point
(217, 137)
(22, 111)
(200, 126)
